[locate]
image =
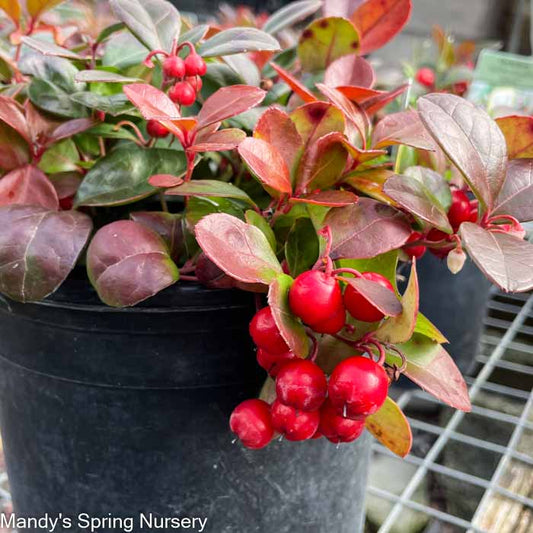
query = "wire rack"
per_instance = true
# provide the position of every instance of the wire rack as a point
(467, 471)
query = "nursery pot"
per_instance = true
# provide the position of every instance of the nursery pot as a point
(118, 412)
(456, 304)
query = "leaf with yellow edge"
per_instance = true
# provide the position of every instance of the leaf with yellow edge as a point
(12, 9)
(37, 7)
(400, 328)
(390, 426)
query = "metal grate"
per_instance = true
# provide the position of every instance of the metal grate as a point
(468, 471)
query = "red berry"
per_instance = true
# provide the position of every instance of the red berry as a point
(266, 334)
(460, 211)
(195, 82)
(174, 67)
(301, 384)
(358, 387)
(358, 306)
(436, 235)
(294, 424)
(333, 324)
(316, 297)
(182, 93)
(414, 251)
(195, 65)
(252, 423)
(155, 129)
(426, 77)
(336, 428)
(460, 88)
(66, 203)
(273, 363)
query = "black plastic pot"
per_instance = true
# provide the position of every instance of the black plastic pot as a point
(456, 304)
(126, 412)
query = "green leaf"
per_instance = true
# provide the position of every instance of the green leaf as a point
(194, 35)
(61, 157)
(122, 176)
(48, 48)
(290, 14)
(400, 328)
(241, 250)
(390, 426)
(128, 262)
(156, 23)
(434, 183)
(110, 30)
(255, 219)
(290, 328)
(325, 40)
(198, 208)
(237, 41)
(123, 51)
(426, 328)
(210, 188)
(103, 76)
(302, 246)
(384, 264)
(114, 104)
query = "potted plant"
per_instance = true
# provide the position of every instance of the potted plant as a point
(135, 151)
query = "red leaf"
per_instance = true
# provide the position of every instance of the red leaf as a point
(432, 369)
(164, 180)
(128, 262)
(14, 150)
(151, 102)
(218, 141)
(375, 103)
(228, 102)
(267, 164)
(379, 21)
(239, 249)
(28, 185)
(360, 156)
(358, 94)
(276, 127)
(390, 426)
(317, 119)
(12, 113)
(350, 70)
(516, 196)
(366, 229)
(402, 128)
(38, 249)
(70, 128)
(379, 296)
(506, 260)
(328, 198)
(518, 133)
(299, 88)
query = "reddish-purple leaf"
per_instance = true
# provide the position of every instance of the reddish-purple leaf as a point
(379, 101)
(168, 225)
(151, 102)
(402, 128)
(366, 229)
(341, 8)
(66, 184)
(328, 198)
(228, 102)
(400, 328)
(518, 133)
(432, 369)
(164, 180)
(275, 127)
(28, 185)
(352, 112)
(14, 150)
(226, 139)
(299, 88)
(211, 276)
(12, 113)
(516, 196)
(128, 262)
(323, 162)
(70, 128)
(506, 260)
(374, 293)
(290, 328)
(267, 164)
(416, 198)
(239, 249)
(379, 21)
(471, 139)
(38, 249)
(350, 70)
(390, 427)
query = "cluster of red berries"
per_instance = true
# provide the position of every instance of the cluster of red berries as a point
(187, 74)
(307, 404)
(462, 209)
